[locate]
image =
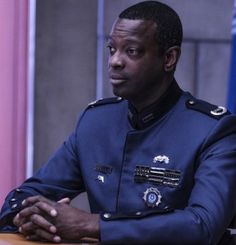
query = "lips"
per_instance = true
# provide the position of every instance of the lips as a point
(117, 79)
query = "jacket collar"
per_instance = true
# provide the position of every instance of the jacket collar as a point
(153, 112)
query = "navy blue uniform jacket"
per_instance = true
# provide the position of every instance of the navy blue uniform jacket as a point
(179, 134)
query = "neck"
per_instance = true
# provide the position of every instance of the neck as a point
(148, 100)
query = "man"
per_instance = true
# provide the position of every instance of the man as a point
(159, 165)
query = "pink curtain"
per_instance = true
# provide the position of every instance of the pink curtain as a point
(13, 93)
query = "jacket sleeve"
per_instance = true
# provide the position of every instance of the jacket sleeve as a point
(60, 177)
(210, 209)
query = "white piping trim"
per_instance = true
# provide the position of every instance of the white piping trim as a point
(30, 80)
(100, 44)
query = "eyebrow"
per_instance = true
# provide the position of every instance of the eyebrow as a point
(129, 39)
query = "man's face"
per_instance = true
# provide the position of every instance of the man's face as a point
(136, 68)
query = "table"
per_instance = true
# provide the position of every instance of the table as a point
(17, 239)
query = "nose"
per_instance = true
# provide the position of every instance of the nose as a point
(116, 61)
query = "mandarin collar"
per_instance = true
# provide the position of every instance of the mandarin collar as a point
(153, 112)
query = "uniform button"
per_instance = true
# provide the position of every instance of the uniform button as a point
(12, 200)
(191, 102)
(14, 206)
(138, 213)
(18, 190)
(107, 215)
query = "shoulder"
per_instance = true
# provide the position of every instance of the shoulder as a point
(103, 110)
(211, 110)
(105, 101)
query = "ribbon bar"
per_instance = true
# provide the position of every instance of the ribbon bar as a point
(156, 175)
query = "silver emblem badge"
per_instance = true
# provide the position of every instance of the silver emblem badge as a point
(161, 159)
(220, 110)
(101, 178)
(152, 197)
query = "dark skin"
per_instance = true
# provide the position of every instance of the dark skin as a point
(137, 70)
(138, 73)
(43, 219)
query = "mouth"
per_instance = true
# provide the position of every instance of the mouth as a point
(117, 80)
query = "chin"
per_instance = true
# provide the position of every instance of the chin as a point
(125, 92)
(120, 93)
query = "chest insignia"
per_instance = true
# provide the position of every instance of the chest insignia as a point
(161, 159)
(100, 178)
(159, 176)
(152, 197)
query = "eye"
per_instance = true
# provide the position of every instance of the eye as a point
(112, 50)
(133, 52)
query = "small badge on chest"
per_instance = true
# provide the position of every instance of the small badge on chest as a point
(152, 197)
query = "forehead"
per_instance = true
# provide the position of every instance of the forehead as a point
(133, 29)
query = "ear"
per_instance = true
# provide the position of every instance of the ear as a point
(171, 58)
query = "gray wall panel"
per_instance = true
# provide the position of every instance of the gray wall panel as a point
(213, 72)
(65, 69)
(204, 19)
(185, 71)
